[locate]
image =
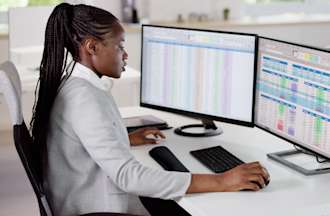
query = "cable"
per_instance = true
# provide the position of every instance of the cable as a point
(318, 158)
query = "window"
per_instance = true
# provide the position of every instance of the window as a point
(44, 2)
(5, 4)
(271, 1)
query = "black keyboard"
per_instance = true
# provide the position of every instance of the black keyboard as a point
(217, 159)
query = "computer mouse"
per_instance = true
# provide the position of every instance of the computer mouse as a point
(257, 183)
(267, 181)
(251, 189)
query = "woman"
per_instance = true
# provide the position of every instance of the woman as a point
(82, 147)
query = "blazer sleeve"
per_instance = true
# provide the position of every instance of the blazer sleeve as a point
(93, 122)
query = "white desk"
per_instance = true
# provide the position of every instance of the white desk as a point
(288, 194)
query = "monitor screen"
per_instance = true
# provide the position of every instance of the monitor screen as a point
(200, 73)
(293, 94)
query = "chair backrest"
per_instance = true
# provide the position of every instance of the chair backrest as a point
(23, 143)
(10, 86)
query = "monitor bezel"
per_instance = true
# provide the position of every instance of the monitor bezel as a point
(315, 151)
(201, 115)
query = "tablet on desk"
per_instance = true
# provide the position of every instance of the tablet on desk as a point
(136, 122)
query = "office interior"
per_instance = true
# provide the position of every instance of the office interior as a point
(21, 41)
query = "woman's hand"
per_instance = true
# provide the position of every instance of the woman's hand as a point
(139, 136)
(250, 176)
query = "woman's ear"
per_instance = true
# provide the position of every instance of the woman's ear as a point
(90, 46)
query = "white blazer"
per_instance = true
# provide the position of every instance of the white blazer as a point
(90, 167)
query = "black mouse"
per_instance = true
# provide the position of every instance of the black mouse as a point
(257, 183)
(267, 181)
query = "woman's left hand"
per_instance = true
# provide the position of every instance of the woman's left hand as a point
(139, 136)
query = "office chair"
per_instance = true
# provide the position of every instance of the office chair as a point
(10, 86)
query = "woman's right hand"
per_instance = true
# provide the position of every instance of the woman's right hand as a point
(249, 176)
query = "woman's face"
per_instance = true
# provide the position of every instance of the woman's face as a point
(110, 58)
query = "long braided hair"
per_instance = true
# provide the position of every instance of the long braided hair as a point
(67, 27)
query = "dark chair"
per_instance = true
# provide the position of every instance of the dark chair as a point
(10, 86)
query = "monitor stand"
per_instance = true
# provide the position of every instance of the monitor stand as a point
(283, 157)
(208, 128)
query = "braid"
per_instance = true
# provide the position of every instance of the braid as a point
(67, 26)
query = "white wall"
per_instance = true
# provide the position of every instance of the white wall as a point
(4, 47)
(27, 26)
(313, 34)
(306, 7)
(168, 10)
(133, 48)
(110, 5)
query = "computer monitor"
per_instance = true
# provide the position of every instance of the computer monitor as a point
(293, 95)
(204, 74)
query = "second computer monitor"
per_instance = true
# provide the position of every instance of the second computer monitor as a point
(293, 94)
(200, 73)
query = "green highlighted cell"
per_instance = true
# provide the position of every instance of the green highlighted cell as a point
(283, 82)
(281, 109)
(318, 129)
(320, 95)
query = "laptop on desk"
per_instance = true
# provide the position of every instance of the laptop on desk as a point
(136, 122)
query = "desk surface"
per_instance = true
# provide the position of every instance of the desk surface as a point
(289, 192)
